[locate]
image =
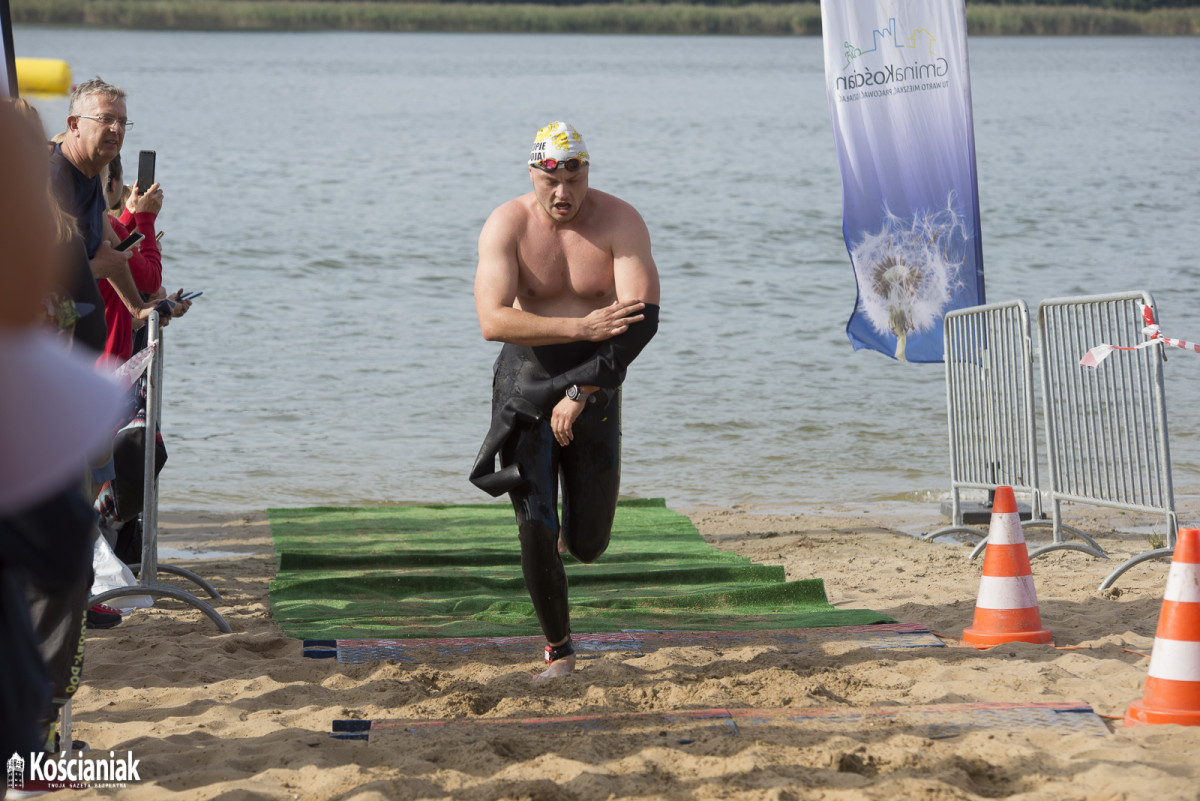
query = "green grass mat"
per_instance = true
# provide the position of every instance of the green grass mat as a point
(454, 571)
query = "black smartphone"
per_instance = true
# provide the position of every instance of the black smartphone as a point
(130, 241)
(145, 171)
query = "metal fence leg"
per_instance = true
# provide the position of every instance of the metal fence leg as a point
(1136, 560)
(64, 729)
(148, 583)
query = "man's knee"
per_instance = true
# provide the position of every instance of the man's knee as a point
(587, 542)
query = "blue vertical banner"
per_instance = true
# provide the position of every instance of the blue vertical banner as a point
(900, 99)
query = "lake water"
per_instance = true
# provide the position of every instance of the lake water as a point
(326, 191)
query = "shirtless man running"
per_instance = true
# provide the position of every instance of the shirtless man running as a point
(567, 282)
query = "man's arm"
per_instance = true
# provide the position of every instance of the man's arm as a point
(634, 271)
(114, 265)
(496, 281)
(635, 276)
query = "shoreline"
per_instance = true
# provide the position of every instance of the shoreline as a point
(788, 19)
(909, 515)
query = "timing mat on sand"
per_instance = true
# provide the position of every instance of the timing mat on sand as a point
(633, 643)
(454, 571)
(933, 722)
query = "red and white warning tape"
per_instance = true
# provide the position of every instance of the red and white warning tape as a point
(1101, 352)
(129, 372)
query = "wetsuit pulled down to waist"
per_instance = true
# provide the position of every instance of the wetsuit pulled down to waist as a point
(528, 382)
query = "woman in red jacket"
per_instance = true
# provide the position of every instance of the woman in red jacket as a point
(137, 212)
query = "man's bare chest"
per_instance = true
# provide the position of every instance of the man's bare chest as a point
(568, 264)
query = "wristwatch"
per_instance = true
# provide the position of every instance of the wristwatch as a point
(574, 394)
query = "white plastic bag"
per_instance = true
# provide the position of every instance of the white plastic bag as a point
(112, 573)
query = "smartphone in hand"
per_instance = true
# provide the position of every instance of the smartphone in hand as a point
(145, 179)
(129, 241)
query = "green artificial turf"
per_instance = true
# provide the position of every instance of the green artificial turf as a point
(454, 571)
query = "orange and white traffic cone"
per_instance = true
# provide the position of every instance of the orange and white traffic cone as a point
(1172, 693)
(1007, 607)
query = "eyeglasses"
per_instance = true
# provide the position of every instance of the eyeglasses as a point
(107, 120)
(550, 165)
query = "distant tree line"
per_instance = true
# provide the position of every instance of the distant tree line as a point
(663, 17)
(1124, 5)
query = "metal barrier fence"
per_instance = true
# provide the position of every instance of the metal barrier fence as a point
(988, 353)
(148, 569)
(1106, 430)
(1106, 426)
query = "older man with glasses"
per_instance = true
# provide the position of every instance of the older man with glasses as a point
(96, 125)
(566, 280)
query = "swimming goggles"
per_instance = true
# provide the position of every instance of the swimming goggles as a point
(550, 165)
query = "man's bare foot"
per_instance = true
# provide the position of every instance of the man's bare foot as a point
(559, 667)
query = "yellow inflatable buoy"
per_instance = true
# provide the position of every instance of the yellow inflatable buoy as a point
(45, 75)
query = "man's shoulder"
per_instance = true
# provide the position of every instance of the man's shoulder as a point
(60, 168)
(66, 177)
(612, 212)
(512, 215)
(517, 207)
(611, 204)
(60, 161)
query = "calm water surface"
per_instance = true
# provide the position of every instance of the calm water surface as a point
(326, 191)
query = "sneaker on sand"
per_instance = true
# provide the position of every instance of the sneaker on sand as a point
(102, 616)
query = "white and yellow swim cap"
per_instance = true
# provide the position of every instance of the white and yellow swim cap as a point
(558, 143)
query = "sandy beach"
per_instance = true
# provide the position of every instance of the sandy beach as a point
(247, 716)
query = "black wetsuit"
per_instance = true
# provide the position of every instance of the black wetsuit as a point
(528, 382)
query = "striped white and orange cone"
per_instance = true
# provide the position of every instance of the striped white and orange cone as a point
(1007, 607)
(1172, 693)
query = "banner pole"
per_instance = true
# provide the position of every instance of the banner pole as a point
(10, 59)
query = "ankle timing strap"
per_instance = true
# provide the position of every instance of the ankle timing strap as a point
(556, 652)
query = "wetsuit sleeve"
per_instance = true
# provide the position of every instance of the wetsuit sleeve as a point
(607, 367)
